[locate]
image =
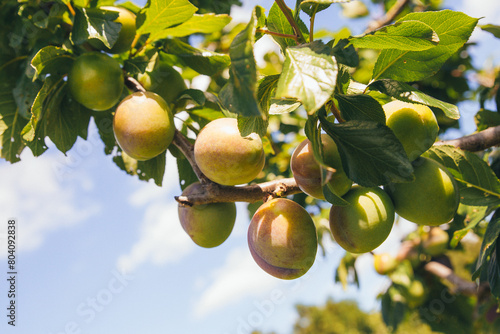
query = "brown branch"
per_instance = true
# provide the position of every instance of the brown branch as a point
(185, 146)
(391, 14)
(214, 193)
(461, 285)
(476, 142)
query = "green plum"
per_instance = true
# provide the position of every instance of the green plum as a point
(143, 125)
(435, 242)
(282, 238)
(431, 199)
(165, 81)
(95, 80)
(126, 35)
(384, 263)
(365, 223)
(224, 156)
(208, 225)
(415, 125)
(307, 172)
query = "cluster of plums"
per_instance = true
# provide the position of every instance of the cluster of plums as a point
(143, 122)
(282, 235)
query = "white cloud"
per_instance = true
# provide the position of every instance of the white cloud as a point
(238, 278)
(33, 194)
(162, 239)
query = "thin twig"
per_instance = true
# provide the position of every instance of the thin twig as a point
(311, 24)
(273, 33)
(133, 84)
(476, 142)
(391, 14)
(185, 146)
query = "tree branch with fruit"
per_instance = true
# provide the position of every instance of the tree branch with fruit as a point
(341, 129)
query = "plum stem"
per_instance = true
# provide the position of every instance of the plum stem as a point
(133, 84)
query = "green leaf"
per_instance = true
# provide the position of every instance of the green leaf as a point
(489, 242)
(95, 23)
(104, 123)
(370, 152)
(51, 60)
(11, 125)
(486, 118)
(11, 122)
(346, 271)
(64, 119)
(307, 76)
(332, 198)
(197, 24)
(474, 215)
(393, 308)
(202, 61)
(239, 94)
(343, 80)
(407, 93)
(403, 35)
(184, 168)
(162, 14)
(269, 104)
(248, 125)
(478, 184)
(265, 91)
(33, 131)
(344, 53)
(283, 106)
(152, 169)
(277, 22)
(145, 170)
(360, 107)
(453, 30)
(311, 7)
(494, 271)
(140, 63)
(491, 28)
(25, 93)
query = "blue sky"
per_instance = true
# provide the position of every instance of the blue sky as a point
(101, 252)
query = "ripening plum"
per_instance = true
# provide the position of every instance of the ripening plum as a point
(384, 263)
(415, 294)
(431, 199)
(143, 125)
(127, 31)
(224, 156)
(282, 238)
(365, 223)
(307, 172)
(415, 125)
(95, 80)
(165, 81)
(208, 225)
(435, 242)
